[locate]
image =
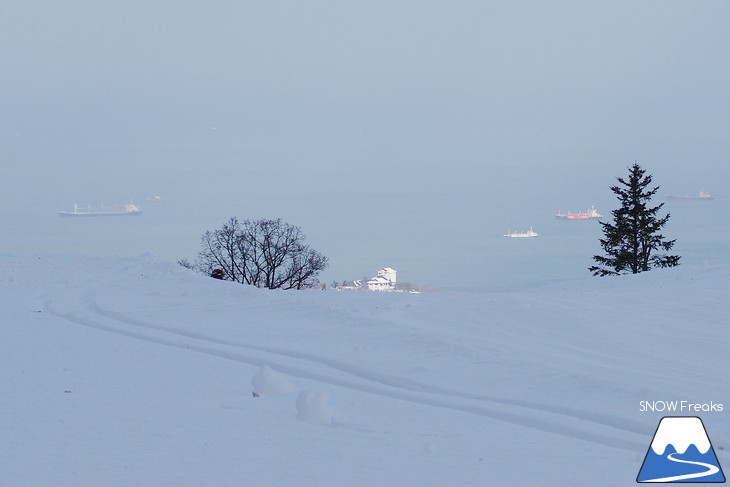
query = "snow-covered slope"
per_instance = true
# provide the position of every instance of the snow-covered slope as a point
(121, 372)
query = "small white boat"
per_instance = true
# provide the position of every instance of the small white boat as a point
(103, 210)
(528, 234)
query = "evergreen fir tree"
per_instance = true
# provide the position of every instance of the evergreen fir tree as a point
(632, 241)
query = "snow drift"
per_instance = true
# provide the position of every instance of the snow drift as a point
(313, 407)
(266, 381)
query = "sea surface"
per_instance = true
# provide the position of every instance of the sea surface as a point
(436, 218)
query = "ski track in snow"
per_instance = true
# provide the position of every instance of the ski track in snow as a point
(552, 419)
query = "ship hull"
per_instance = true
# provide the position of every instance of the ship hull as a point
(576, 217)
(590, 214)
(689, 198)
(528, 234)
(103, 210)
(701, 196)
(71, 214)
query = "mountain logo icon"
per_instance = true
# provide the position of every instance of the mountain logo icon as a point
(680, 452)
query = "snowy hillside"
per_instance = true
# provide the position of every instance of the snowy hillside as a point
(121, 372)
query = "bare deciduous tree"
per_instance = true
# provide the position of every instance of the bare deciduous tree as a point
(263, 253)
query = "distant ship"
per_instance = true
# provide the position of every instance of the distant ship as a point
(528, 234)
(102, 210)
(701, 196)
(590, 214)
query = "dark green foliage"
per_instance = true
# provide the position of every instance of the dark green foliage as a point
(632, 241)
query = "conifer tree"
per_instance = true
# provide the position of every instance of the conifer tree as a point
(632, 243)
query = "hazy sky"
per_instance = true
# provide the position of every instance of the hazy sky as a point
(516, 75)
(302, 103)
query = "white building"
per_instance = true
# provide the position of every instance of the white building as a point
(388, 273)
(384, 281)
(350, 285)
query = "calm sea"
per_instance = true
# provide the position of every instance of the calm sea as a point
(438, 220)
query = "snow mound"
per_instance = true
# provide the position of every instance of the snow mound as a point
(312, 408)
(266, 381)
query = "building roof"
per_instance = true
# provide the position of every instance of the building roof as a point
(379, 280)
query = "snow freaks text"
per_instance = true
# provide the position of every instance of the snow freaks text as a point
(680, 407)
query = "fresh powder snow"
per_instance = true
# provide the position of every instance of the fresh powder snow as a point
(136, 371)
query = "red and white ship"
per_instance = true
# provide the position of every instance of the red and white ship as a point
(590, 214)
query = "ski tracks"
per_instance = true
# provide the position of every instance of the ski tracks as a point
(584, 425)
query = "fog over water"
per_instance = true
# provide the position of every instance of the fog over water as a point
(403, 134)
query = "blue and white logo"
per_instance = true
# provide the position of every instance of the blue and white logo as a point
(681, 452)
